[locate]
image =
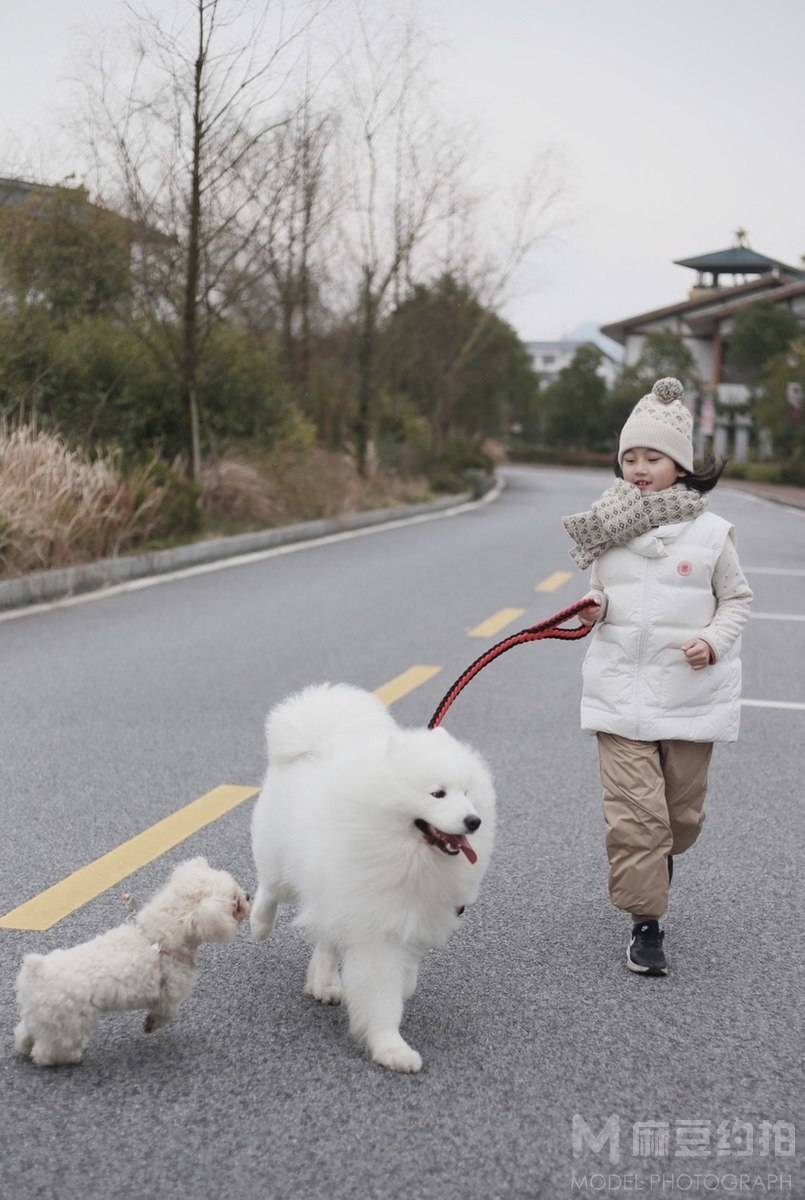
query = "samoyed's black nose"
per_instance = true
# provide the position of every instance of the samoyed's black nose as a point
(472, 823)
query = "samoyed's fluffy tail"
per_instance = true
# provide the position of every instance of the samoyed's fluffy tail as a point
(310, 721)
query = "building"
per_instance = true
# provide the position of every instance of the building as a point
(36, 197)
(549, 358)
(727, 281)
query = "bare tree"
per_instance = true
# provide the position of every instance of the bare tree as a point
(286, 262)
(488, 264)
(397, 162)
(184, 148)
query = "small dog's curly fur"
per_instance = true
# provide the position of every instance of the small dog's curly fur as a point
(146, 963)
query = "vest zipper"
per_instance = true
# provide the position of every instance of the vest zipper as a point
(640, 647)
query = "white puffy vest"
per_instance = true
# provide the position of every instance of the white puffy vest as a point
(637, 682)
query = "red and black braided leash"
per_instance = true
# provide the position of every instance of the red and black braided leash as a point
(549, 628)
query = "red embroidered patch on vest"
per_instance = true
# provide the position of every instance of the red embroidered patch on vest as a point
(685, 568)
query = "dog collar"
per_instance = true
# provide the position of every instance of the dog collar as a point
(182, 956)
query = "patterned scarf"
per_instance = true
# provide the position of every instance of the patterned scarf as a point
(624, 512)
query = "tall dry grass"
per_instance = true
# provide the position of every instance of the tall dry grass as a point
(59, 507)
(297, 484)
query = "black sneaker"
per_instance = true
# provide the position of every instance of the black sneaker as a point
(645, 954)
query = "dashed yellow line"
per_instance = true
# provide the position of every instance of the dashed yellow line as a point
(496, 622)
(552, 582)
(401, 685)
(57, 902)
(44, 911)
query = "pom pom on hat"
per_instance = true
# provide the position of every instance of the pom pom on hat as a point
(668, 389)
(661, 421)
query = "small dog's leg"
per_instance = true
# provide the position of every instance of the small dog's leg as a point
(23, 1039)
(373, 987)
(157, 1016)
(264, 910)
(59, 1047)
(323, 980)
(45, 1056)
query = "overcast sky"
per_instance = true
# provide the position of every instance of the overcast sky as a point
(677, 122)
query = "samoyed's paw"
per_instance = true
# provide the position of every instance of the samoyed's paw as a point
(323, 981)
(262, 917)
(397, 1055)
(260, 929)
(328, 993)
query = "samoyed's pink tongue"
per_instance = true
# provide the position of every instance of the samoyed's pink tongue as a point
(450, 843)
(467, 849)
(459, 842)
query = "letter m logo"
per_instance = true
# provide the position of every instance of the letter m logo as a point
(585, 1139)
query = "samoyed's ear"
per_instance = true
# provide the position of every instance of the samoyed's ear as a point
(392, 743)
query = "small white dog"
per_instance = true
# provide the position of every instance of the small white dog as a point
(145, 963)
(365, 825)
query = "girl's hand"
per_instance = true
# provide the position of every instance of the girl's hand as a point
(697, 653)
(592, 613)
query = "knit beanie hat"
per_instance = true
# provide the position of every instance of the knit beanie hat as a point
(661, 421)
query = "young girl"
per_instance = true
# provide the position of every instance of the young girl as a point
(662, 676)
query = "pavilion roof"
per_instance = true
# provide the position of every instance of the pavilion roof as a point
(737, 260)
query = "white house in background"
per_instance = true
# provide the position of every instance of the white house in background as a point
(727, 281)
(549, 358)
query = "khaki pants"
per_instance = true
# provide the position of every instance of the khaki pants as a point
(653, 806)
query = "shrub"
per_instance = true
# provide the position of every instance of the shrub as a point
(792, 472)
(59, 506)
(754, 472)
(522, 452)
(232, 489)
(179, 510)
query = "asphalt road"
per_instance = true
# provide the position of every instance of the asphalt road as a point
(119, 711)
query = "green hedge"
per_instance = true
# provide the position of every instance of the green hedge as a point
(767, 472)
(560, 455)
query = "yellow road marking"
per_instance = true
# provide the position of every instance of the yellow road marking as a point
(57, 902)
(496, 622)
(401, 685)
(553, 581)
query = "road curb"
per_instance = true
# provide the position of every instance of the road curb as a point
(795, 497)
(61, 582)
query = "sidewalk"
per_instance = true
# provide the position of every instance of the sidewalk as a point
(779, 493)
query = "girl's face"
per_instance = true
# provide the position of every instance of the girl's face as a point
(650, 470)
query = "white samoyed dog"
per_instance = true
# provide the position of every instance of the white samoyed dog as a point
(381, 835)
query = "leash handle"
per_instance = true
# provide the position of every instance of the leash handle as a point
(549, 628)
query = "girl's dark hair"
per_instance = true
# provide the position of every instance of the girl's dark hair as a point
(700, 481)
